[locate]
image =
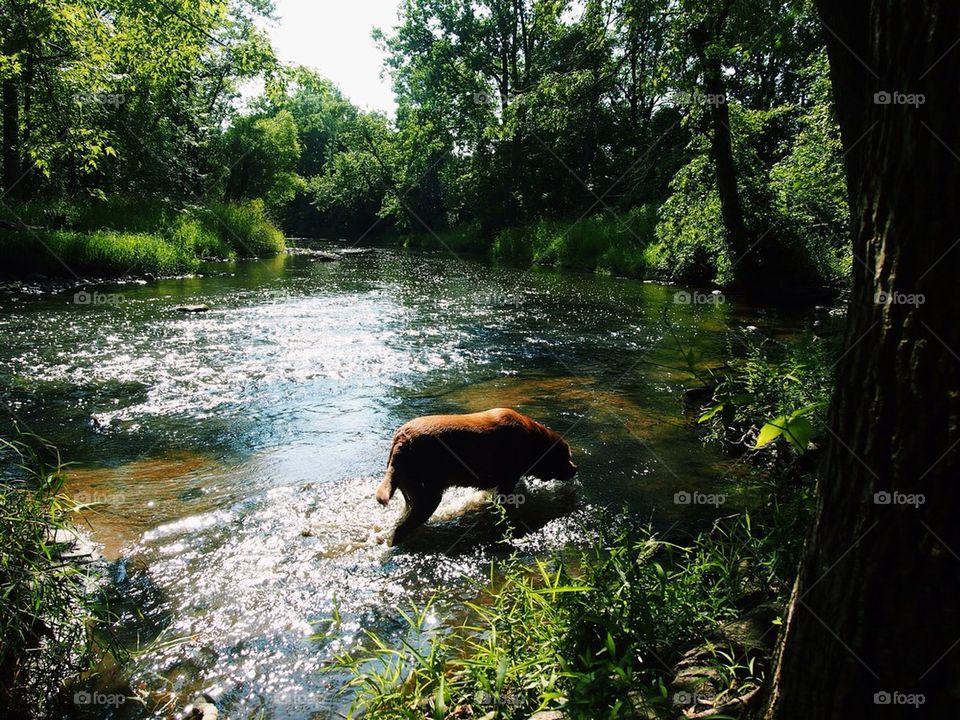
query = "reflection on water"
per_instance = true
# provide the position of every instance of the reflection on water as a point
(230, 457)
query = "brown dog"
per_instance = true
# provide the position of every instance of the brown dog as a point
(491, 449)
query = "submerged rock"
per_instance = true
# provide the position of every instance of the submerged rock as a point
(70, 544)
(192, 308)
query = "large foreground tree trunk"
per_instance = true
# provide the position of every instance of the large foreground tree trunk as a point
(874, 621)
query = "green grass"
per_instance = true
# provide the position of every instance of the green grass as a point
(595, 635)
(615, 243)
(46, 611)
(101, 252)
(121, 236)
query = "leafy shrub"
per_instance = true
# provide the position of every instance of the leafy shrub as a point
(691, 241)
(777, 188)
(770, 386)
(810, 186)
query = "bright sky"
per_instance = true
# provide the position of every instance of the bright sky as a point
(333, 36)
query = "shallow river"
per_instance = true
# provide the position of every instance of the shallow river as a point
(231, 456)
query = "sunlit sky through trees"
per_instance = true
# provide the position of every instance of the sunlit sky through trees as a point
(334, 37)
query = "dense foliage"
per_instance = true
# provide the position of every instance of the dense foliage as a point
(691, 140)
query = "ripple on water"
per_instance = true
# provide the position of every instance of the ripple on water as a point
(248, 588)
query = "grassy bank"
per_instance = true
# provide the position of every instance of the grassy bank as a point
(646, 242)
(46, 608)
(614, 243)
(596, 636)
(121, 236)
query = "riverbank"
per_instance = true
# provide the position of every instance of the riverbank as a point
(123, 237)
(645, 243)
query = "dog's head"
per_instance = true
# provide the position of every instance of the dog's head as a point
(557, 462)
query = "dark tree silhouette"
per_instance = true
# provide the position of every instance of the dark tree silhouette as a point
(872, 619)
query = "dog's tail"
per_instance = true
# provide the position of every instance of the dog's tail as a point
(386, 488)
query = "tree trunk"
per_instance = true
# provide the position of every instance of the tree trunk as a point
(721, 146)
(873, 627)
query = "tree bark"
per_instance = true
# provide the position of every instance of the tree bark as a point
(872, 626)
(721, 146)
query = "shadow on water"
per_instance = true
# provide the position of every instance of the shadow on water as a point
(230, 457)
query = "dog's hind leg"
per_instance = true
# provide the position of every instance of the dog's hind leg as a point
(419, 509)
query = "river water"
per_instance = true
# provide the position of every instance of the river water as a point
(230, 457)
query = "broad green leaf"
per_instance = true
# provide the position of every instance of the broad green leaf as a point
(770, 432)
(798, 432)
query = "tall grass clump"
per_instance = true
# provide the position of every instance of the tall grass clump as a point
(119, 236)
(46, 607)
(246, 228)
(607, 242)
(595, 635)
